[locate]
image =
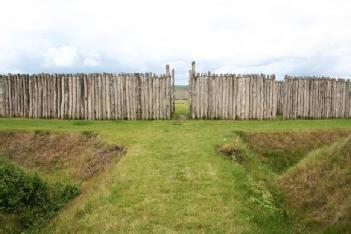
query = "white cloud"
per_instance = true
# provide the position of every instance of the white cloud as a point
(63, 56)
(273, 36)
(92, 59)
(91, 62)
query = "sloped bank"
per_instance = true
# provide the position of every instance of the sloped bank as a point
(281, 150)
(318, 189)
(40, 172)
(307, 175)
(79, 155)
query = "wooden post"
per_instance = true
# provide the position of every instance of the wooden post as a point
(1, 96)
(173, 91)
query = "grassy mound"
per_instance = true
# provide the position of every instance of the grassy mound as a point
(314, 193)
(318, 188)
(78, 156)
(28, 198)
(282, 150)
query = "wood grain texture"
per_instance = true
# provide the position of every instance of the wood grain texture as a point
(87, 96)
(316, 98)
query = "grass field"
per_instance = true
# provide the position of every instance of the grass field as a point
(172, 178)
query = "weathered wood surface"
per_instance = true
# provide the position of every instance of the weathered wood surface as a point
(1, 96)
(280, 97)
(232, 96)
(316, 97)
(87, 96)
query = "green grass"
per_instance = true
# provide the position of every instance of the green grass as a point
(30, 199)
(172, 179)
(282, 150)
(324, 203)
(181, 86)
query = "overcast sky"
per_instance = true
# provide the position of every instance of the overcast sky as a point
(299, 37)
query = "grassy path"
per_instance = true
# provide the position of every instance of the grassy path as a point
(171, 180)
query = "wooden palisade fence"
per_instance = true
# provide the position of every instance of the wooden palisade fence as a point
(88, 96)
(1, 97)
(280, 97)
(316, 97)
(232, 96)
(147, 96)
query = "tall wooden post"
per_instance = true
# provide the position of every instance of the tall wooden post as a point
(173, 91)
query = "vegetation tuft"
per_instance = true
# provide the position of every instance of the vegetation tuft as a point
(233, 150)
(30, 198)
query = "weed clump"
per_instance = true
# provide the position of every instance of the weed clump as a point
(29, 197)
(88, 134)
(233, 150)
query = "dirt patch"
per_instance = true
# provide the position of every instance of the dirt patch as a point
(101, 158)
(318, 188)
(182, 117)
(282, 150)
(80, 154)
